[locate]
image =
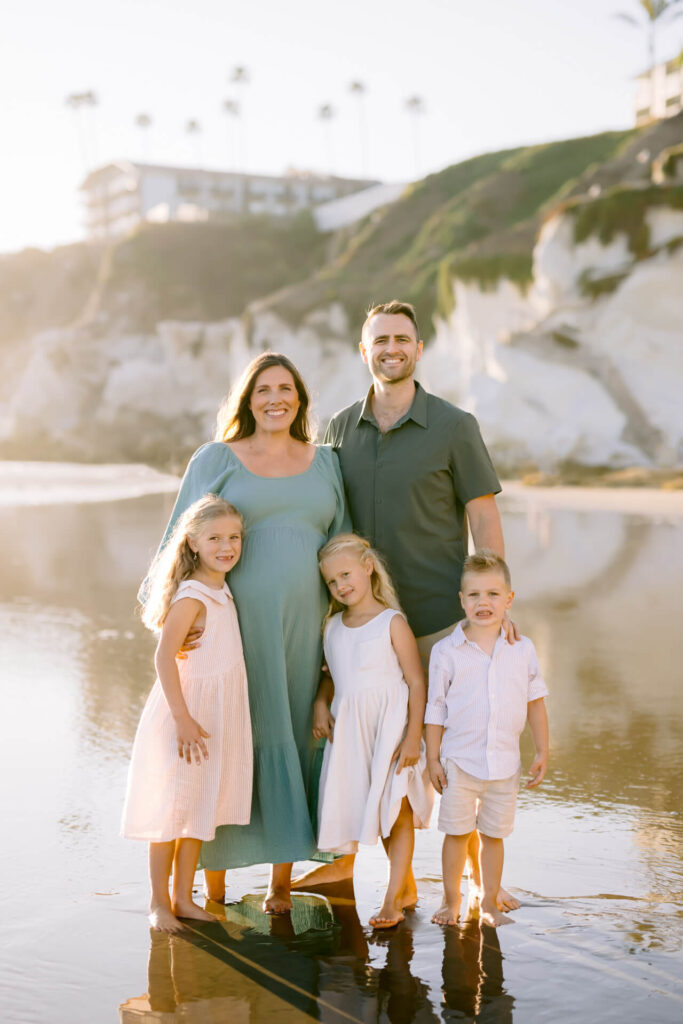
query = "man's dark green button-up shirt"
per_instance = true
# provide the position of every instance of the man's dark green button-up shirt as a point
(407, 490)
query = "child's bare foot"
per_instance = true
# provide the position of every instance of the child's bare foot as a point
(448, 913)
(506, 901)
(162, 919)
(491, 915)
(326, 874)
(389, 915)
(186, 908)
(277, 901)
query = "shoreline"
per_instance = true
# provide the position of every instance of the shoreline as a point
(643, 501)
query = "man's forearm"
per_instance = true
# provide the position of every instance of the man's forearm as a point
(485, 525)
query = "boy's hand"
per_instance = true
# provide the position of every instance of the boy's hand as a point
(323, 721)
(537, 770)
(437, 775)
(190, 642)
(408, 754)
(190, 739)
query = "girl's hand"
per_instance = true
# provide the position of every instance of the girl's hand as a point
(537, 770)
(190, 739)
(323, 721)
(437, 775)
(408, 754)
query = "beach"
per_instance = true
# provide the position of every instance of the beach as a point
(596, 856)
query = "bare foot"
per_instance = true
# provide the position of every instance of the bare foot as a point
(188, 909)
(277, 901)
(448, 913)
(162, 919)
(491, 915)
(325, 874)
(506, 901)
(218, 897)
(408, 897)
(388, 916)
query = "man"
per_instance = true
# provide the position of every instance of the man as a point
(417, 474)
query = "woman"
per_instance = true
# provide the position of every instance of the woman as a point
(291, 495)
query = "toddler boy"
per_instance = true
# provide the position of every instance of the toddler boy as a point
(482, 691)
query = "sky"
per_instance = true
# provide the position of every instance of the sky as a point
(490, 74)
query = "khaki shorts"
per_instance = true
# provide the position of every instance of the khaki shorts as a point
(468, 803)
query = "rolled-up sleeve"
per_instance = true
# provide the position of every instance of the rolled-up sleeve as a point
(436, 711)
(536, 688)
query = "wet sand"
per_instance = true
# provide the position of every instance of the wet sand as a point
(596, 857)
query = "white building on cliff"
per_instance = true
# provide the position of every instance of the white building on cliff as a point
(119, 195)
(659, 92)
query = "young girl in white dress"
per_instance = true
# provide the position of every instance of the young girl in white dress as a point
(191, 768)
(374, 780)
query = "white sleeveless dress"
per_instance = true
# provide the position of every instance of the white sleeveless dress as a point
(167, 798)
(360, 792)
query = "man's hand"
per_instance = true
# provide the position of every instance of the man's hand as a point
(408, 754)
(190, 642)
(512, 633)
(537, 770)
(323, 721)
(437, 774)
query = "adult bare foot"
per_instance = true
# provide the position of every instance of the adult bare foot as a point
(408, 897)
(188, 909)
(491, 915)
(448, 913)
(162, 919)
(388, 916)
(326, 874)
(506, 901)
(277, 901)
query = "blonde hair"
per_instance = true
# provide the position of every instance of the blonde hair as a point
(380, 581)
(485, 560)
(176, 561)
(235, 418)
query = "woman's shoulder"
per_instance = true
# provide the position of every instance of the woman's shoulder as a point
(327, 459)
(211, 452)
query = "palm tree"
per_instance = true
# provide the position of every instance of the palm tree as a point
(80, 102)
(144, 123)
(326, 113)
(193, 128)
(240, 78)
(232, 109)
(416, 108)
(358, 90)
(656, 13)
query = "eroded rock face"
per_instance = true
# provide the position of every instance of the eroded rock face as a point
(552, 375)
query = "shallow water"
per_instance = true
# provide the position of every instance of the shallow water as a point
(596, 857)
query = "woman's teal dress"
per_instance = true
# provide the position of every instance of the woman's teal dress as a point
(281, 601)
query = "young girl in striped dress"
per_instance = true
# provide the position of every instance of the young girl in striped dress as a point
(191, 768)
(374, 779)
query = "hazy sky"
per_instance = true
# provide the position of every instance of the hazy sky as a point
(492, 73)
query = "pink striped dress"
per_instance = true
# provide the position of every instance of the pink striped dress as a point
(167, 798)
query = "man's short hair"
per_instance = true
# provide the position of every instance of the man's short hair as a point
(485, 560)
(392, 309)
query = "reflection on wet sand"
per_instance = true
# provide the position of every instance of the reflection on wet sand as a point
(315, 963)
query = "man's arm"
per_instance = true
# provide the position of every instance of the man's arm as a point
(485, 525)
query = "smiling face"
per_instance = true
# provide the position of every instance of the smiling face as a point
(219, 544)
(485, 597)
(347, 578)
(274, 401)
(390, 347)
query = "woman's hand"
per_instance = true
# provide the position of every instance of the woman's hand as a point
(437, 775)
(323, 721)
(190, 642)
(190, 739)
(408, 754)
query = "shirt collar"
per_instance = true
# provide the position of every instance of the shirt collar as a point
(417, 411)
(458, 637)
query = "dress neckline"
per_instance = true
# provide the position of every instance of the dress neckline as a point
(369, 622)
(258, 476)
